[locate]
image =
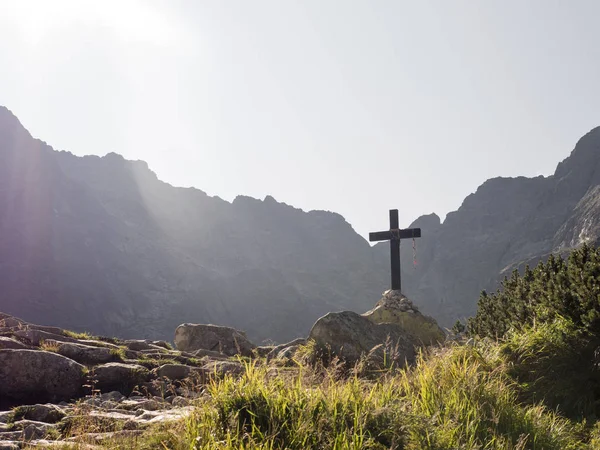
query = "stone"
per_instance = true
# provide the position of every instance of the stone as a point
(287, 352)
(113, 396)
(106, 438)
(395, 308)
(229, 341)
(38, 375)
(119, 377)
(213, 355)
(222, 368)
(174, 371)
(47, 413)
(84, 354)
(179, 402)
(162, 344)
(350, 336)
(10, 321)
(36, 337)
(139, 345)
(8, 445)
(8, 343)
(32, 429)
(96, 343)
(277, 350)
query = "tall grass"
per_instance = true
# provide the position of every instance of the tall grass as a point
(461, 397)
(457, 397)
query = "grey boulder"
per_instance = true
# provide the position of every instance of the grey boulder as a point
(39, 376)
(228, 341)
(350, 336)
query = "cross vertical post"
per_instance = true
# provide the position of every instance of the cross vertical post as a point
(395, 252)
(394, 235)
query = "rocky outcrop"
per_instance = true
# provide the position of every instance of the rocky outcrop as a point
(121, 386)
(395, 308)
(120, 377)
(34, 374)
(190, 337)
(350, 336)
(390, 332)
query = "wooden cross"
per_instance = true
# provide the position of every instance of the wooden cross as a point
(394, 235)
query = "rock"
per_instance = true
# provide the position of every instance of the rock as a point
(38, 375)
(287, 352)
(8, 445)
(222, 368)
(264, 350)
(113, 396)
(175, 371)
(181, 401)
(397, 309)
(36, 337)
(8, 343)
(349, 336)
(32, 429)
(276, 351)
(10, 321)
(138, 345)
(162, 344)
(120, 377)
(47, 413)
(84, 354)
(229, 341)
(106, 438)
(96, 343)
(213, 355)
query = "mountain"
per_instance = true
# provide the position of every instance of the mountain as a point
(101, 244)
(505, 224)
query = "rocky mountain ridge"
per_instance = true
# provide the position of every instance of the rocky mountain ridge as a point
(101, 244)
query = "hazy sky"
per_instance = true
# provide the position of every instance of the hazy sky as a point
(349, 106)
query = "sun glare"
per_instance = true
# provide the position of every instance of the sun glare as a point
(130, 21)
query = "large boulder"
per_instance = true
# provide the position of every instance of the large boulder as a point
(8, 343)
(395, 308)
(228, 341)
(39, 376)
(84, 354)
(349, 336)
(36, 337)
(119, 377)
(389, 332)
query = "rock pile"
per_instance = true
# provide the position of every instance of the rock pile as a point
(51, 377)
(390, 332)
(54, 378)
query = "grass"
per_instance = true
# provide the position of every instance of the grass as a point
(76, 335)
(118, 353)
(50, 347)
(151, 363)
(461, 396)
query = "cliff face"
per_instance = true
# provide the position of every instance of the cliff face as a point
(101, 244)
(508, 222)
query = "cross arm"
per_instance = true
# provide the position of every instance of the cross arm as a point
(395, 234)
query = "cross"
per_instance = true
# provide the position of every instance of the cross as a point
(394, 235)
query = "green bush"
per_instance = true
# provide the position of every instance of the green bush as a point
(557, 288)
(548, 320)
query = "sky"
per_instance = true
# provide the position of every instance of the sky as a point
(350, 106)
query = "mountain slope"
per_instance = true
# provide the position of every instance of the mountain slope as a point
(101, 244)
(508, 222)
